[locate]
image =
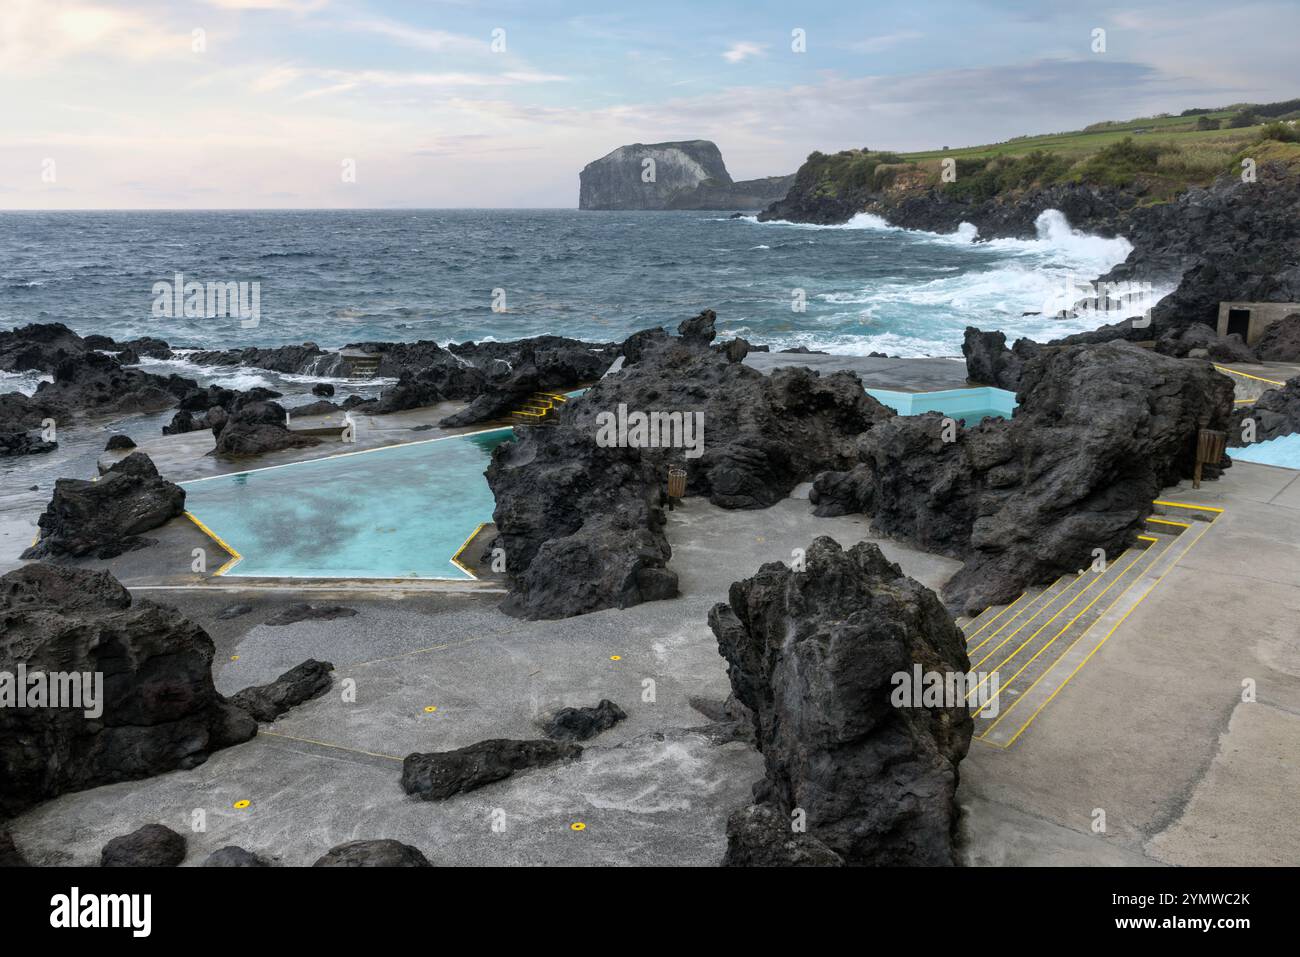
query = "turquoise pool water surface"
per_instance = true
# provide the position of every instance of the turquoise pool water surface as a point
(1283, 451)
(966, 405)
(399, 512)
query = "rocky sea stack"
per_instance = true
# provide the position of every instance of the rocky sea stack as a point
(684, 175)
(813, 654)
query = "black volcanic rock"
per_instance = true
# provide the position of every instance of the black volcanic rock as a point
(210, 407)
(579, 724)
(301, 611)
(91, 383)
(233, 856)
(10, 856)
(160, 710)
(311, 679)
(442, 774)
(119, 442)
(580, 518)
(1274, 414)
(1280, 341)
(107, 517)
(255, 428)
(322, 389)
(814, 654)
(154, 845)
(38, 346)
(758, 836)
(373, 853)
(1099, 431)
(990, 362)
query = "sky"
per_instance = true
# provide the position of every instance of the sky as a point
(235, 104)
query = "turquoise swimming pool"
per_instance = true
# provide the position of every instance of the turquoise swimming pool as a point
(969, 406)
(396, 512)
(1284, 451)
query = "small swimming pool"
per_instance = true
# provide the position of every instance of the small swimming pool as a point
(1283, 451)
(969, 406)
(396, 512)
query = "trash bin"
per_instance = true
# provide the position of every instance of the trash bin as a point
(676, 484)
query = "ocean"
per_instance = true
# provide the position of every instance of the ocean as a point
(334, 277)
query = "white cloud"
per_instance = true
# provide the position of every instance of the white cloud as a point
(36, 35)
(743, 50)
(437, 41)
(885, 41)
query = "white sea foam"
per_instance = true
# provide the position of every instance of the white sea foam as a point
(24, 382)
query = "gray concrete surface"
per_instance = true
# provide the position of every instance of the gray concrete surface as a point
(903, 375)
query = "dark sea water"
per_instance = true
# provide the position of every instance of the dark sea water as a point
(335, 277)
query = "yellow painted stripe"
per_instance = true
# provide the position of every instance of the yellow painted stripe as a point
(1147, 538)
(1099, 644)
(1050, 599)
(1195, 508)
(465, 545)
(1079, 594)
(971, 638)
(1064, 629)
(235, 557)
(1247, 375)
(326, 744)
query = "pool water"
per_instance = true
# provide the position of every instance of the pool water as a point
(969, 406)
(1283, 451)
(397, 512)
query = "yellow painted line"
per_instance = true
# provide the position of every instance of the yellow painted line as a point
(1099, 644)
(1010, 620)
(235, 557)
(1195, 508)
(465, 545)
(995, 617)
(1059, 611)
(326, 744)
(1147, 538)
(1064, 629)
(1243, 401)
(1247, 375)
(1165, 521)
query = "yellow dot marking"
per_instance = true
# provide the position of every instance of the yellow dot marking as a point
(234, 657)
(240, 805)
(615, 657)
(577, 826)
(431, 709)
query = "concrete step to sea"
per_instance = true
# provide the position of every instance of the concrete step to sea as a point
(1023, 654)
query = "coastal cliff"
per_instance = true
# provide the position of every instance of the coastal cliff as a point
(682, 175)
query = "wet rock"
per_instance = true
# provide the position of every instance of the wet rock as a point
(1098, 432)
(1280, 341)
(10, 856)
(154, 845)
(323, 389)
(1274, 414)
(322, 407)
(990, 362)
(301, 611)
(699, 330)
(158, 710)
(311, 679)
(305, 359)
(94, 384)
(210, 407)
(579, 506)
(105, 518)
(233, 611)
(24, 443)
(255, 428)
(233, 856)
(442, 774)
(119, 442)
(374, 853)
(814, 655)
(579, 724)
(758, 836)
(40, 345)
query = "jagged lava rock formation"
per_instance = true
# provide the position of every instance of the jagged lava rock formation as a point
(1276, 413)
(1099, 431)
(687, 175)
(813, 654)
(160, 708)
(106, 518)
(581, 522)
